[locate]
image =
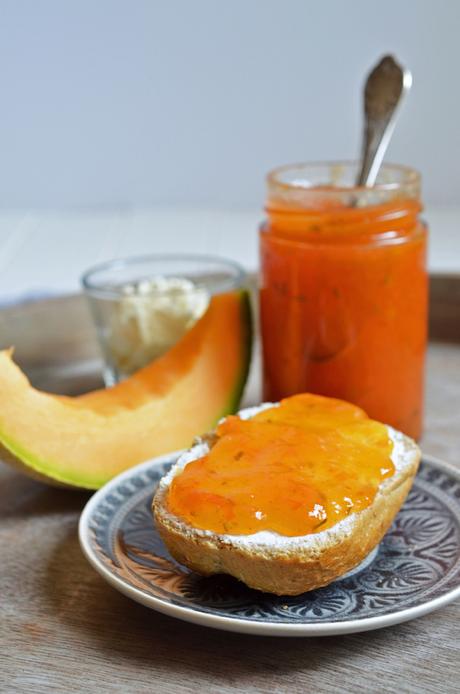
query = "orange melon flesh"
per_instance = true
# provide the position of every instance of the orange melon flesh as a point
(84, 441)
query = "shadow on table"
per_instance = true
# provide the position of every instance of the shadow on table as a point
(23, 497)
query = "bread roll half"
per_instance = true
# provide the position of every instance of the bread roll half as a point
(285, 565)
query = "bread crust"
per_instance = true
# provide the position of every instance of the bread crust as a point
(290, 569)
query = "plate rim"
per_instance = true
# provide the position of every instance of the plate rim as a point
(239, 624)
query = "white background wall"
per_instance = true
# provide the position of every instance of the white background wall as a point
(140, 102)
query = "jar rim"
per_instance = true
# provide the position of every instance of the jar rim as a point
(392, 178)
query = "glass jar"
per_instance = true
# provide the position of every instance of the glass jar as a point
(143, 305)
(344, 289)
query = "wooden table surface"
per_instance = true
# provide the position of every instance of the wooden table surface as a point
(63, 629)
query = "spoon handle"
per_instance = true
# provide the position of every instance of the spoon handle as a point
(385, 88)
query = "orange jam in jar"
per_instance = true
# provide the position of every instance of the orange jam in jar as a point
(344, 289)
(293, 469)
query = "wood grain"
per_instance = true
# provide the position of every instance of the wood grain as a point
(445, 307)
(63, 629)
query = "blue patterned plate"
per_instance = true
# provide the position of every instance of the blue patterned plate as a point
(415, 569)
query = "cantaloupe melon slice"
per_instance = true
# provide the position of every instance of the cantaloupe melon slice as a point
(84, 441)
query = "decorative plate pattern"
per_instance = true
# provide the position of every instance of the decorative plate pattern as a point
(415, 569)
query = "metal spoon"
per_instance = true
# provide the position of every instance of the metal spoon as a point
(385, 88)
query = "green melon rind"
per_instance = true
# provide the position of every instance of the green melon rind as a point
(21, 459)
(247, 323)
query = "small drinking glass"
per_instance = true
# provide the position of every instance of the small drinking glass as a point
(143, 305)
